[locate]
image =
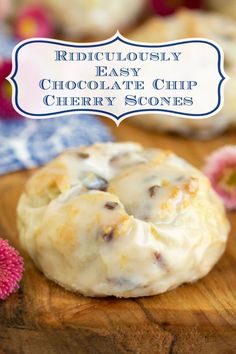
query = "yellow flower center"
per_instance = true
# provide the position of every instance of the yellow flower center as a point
(28, 27)
(228, 179)
(6, 89)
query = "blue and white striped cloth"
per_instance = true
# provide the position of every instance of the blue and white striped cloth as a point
(27, 143)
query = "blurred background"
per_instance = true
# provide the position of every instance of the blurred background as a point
(25, 143)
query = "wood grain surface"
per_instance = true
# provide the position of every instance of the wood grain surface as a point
(43, 318)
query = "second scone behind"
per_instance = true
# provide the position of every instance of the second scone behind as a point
(190, 24)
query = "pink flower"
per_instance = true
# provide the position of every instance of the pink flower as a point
(168, 7)
(11, 269)
(6, 108)
(220, 168)
(33, 21)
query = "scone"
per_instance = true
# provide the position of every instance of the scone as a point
(184, 24)
(92, 18)
(118, 219)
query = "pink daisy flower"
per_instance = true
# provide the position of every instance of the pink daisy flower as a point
(33, 21)
(168, 7)
(6, 108)
(220, 168)
(11, 269)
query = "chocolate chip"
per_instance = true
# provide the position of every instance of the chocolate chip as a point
(103, 188)
(111, 205)
(114, 159)
(160, 260)
(153, 190)
(117, 158)
(108, 236)
(157, 256)
(83, 155)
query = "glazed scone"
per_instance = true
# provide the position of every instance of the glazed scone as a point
(186, 24)
(118, 219)
(92, 18)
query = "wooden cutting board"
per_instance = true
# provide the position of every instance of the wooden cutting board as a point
(43, 318)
